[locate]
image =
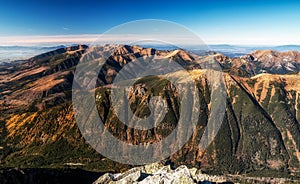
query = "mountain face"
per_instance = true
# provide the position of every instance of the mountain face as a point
(260, 133)
(263, 61)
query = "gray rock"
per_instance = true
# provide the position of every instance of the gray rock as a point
(156, 174)
(106, 178)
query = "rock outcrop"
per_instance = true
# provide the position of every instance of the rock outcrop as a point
(157, 173)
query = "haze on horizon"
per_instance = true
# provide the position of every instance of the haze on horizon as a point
(217, 22)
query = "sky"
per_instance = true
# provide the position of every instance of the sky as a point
(247, 22)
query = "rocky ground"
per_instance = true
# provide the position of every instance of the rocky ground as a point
(157, 173)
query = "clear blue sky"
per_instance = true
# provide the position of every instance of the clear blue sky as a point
(214, 21)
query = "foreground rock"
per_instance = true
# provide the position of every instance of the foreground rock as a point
(157, 173)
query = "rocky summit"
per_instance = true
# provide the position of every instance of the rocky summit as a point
(259, 136)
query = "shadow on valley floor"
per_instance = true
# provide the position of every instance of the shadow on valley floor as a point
(36, 176)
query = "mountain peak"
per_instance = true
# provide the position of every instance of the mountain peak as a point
(287, 55)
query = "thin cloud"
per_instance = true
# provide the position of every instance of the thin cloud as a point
(94, 38)
(37, 40)
(137, 39)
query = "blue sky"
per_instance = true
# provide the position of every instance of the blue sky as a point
(216, 22)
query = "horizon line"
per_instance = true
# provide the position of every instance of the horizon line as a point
(37, 40)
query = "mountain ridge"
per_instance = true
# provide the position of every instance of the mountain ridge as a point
(260, 131)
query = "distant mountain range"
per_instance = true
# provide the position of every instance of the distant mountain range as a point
(236, 51)
(232, 50)
(11, 53)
